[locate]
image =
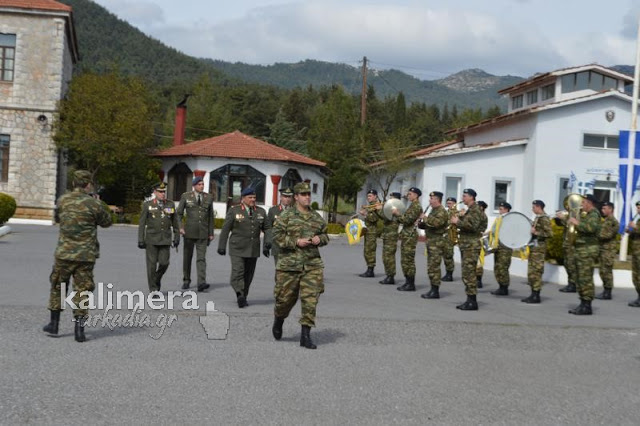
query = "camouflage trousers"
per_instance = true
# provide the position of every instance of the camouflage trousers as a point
(389, 248)
(82, 273)
(501, 265)
(447, 255)
(535, 267)
(607, 257)
(435, 248)
(586, 256)
(408, 242)
(635, 263)
(569, 262)
(370, 247)
(470, 254)
(308, 284)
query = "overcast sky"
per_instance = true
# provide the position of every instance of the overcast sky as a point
(429, 39)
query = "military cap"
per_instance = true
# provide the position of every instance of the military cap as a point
(162, 187)
(82, 177)
(301, 188)
(248, 191)
(286, 191)
(399, 195)
(470, 191)
(372, 191)
(415, 191)
(436, 194)
(637, 203)
(607, 204)
(538, 203)
(452, 199)
(591, 198)
(483, 204)
(505, 205)
(196, 180)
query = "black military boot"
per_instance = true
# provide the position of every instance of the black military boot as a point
(635, 303)
(534, 297)
(605, 295)
(479, 282)
(305, 338)
(434, 293)
(503, 290)
(470, 305)
(570, 288)
(277, 328)
(52, 327)
(368, 273)
(448, 277)
(388, 280)
(79, 331)
(409, 285)
(584, 308)
(242, 301)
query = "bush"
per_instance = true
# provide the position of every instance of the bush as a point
(218, 222)
(335, 228)
(7, 207)
(315, 205)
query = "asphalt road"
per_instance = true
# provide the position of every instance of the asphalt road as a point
(383, 357)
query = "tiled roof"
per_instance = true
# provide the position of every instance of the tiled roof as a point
(421, 151)
(237, 145)
(36, 5)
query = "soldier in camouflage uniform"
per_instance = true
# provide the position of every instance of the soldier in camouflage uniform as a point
(502, 254)
(242, 227)
(587, 252)
(299, 232)
(435, 226)
(409, 238)
(197, 205)
(157, 219)
(568, 253)
(77, 250)
(470, 225)
(634, 236)
(540, 231)
(286, 197)
(484, 224)
(448, 243)
(371, 218)
(389, 244)
(608, 242)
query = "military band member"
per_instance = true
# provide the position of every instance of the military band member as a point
(587, 251)
(300, 270)
(409, 238)
(540, 232)
(608, 243)
(450, 241)
(389, 244)
(634, 236)
(158, 230)
(435, 226)
(197, 230)
(470, 226)
(371, 218)
(502, 254)
(485, 223)
(286, 198)
(77, 250)
(242, 227)
(568, 254)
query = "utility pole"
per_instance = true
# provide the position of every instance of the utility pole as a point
(363, 96)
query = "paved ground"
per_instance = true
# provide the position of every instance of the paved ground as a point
(383, 356)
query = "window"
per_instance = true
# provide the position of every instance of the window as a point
(532, 97)
(227, 182)
(501, 192)
(587, 80)
(290, 179)
(600, 141)
(452, 187)
(604, 190)
(4, 158)
(516, 102)
(315, 188)
(7, 56)
(180, 177)
(548, 91)
(563, 191)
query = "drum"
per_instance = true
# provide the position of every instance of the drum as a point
(515, 230)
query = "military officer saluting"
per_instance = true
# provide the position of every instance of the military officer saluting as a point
(157, 221)
(435, 226)
(286, 198)
(242, 227)
(197, 231)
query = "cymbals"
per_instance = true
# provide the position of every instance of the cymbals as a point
(390, 205)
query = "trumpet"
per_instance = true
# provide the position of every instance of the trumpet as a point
(372, 206)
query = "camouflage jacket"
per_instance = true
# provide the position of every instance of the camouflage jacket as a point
(408, 219)
(389, 227)
(588, 229)
(471, 225)
(157, 220)
(436, 224)
(608, 232)
(543, 228)
(371, 220)
(80, 215)
(291, 226)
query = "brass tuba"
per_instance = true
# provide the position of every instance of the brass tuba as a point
(572, 204)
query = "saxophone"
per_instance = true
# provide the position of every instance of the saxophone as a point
(453, 229)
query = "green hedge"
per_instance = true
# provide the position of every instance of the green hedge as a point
(335, 228)
(7, 207)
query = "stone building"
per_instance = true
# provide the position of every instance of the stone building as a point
(38, 49)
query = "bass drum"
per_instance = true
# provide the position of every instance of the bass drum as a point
(515, 230)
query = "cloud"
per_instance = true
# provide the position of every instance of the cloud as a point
(630, 23)
(137, 13)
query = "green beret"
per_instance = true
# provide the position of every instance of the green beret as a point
(301, 188)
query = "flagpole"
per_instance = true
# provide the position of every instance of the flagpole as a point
(624, 243)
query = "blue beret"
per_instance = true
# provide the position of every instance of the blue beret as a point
(248, 191)
(196, 180)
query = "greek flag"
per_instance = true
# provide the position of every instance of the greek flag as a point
(572, 180)
(629, 172)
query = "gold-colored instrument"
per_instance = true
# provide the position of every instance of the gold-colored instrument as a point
(572, 204)
(452, 232)
(391, 205)
(371, 207)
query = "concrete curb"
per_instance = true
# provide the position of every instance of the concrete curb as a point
(19, 221)
(4, 230)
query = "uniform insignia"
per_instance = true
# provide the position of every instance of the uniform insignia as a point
(239, 216)
(169, 210)
(153, 208)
